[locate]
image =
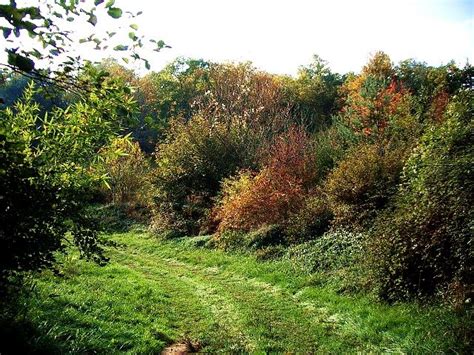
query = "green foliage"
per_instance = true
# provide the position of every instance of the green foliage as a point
(47, 179)
(331, 251)
(13, 85)
(31, 226)
(428, 83)
(331, 145)
(172, 91)
(51, 40)
(424, 245)
(168, 94)
(190, 164)
(363, 182)
(128, 173)
(313, 94)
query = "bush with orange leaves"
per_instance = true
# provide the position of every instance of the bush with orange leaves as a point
(376, 101)
(250, 201)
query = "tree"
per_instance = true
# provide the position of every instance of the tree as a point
(313, 94)
(50, 57)
(376, 101)
(48, 158)
(47, 175)
(167, 94)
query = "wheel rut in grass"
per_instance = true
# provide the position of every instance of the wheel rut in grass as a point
(177, 277)
(246, 310)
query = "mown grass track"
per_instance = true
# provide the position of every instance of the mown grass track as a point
(154, 293)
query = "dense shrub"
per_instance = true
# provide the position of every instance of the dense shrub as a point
(260, 239)
(363, 183)
(333, 250)
(27, 236)
(331, 145)
(313, 94)
(239, 93)
(190, 164)
(425, 243)
(273, 194)
(312, 220)
(128, 174)
(47, 175)
(268, 199)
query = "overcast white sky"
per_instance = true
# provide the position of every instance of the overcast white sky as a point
(280, 35)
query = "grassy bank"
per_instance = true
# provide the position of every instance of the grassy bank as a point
(153, 294)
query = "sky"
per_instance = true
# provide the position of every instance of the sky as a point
(280, 35)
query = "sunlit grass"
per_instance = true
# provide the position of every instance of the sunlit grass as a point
(156, 293)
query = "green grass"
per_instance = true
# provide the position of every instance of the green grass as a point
(154, 293)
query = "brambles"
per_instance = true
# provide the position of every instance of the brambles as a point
(423, 244)
(311, 220)
(331, 251)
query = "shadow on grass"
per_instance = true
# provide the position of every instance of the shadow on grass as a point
(22, 337)
(118, 218)
(18, 335)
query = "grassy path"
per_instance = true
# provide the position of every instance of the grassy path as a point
(153, 294)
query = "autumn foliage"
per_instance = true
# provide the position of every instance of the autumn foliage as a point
(270, 196)
(375, 98)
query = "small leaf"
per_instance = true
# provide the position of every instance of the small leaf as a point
(126, 60)
(6, 32)
(132, 36)
(98, 2)
(115, 12)
(110, 3)
(134, 26)
(92, 19)
(147, 64)
(22, 63)
(70, 19)
(36, 53)
(120, 47)
(34, 13)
